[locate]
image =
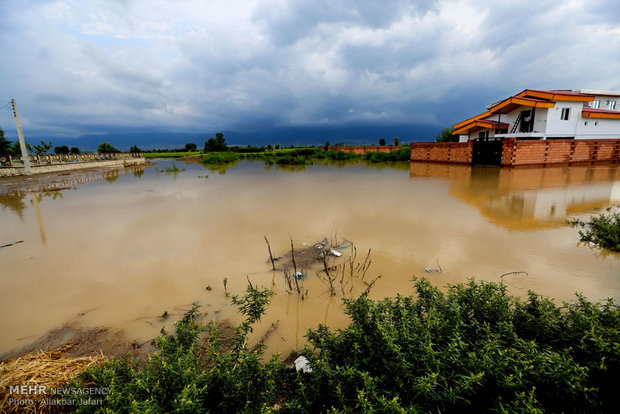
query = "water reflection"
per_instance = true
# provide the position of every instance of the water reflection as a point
(168, 239)
(35, 198)
(14, 189)
(14, 203)
(529, 198)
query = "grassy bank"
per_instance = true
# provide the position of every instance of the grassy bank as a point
(303, 156)
(150, 155)
(474, 349)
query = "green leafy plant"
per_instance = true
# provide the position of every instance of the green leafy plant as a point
(216, 144)
(106, 148)
(40, 149)
(474, 348)
(445, 135)
(402, 154)
(602, 230)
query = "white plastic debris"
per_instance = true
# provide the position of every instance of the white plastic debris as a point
(429, 270)
(335, 253)
(302, 364)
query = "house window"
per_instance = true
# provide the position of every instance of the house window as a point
(611, 105)
(565, 113)
(585, 123)
(595, 104)
(483, 135)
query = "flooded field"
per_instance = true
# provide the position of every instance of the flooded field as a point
(118, 249)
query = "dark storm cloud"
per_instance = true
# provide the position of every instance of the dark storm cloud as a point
(205, 66)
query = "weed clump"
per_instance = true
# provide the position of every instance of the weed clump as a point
(602, 230)
(216, 158)
(402, 154)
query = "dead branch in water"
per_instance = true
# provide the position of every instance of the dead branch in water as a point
(266, 335)
(514, 273)
(364, 268)
(371, 284)
(273, 265)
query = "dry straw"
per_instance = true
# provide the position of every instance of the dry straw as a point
(49, 368)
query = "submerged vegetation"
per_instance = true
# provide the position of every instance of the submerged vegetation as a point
(301, 156)
(602, 230)
(177, 154)
(474, 348)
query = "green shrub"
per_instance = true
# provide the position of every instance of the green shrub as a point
(106, 148)
(602, 230)
(215, 158)
(402, 154)
(472, 349)
(475, 349)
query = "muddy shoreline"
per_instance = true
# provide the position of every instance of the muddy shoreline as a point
(61, 180)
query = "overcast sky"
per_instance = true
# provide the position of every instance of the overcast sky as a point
(83, 66)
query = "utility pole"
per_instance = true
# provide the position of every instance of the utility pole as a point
(22, 142)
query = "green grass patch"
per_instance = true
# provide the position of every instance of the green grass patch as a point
(602, 230)
(148, 155)
(472, 349)
(216, 158)
(402, 154)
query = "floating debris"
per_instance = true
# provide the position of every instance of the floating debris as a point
(11, 244)
(302, 364)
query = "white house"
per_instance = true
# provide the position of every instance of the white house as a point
(537, 114)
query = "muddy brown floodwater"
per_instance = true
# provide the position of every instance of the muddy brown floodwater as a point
(119, 251)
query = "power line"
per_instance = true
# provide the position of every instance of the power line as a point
(9, 103)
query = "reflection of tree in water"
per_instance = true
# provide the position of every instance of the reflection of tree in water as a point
(220, 168)
(52, 193)
(395, 165)
(14, 203)
(138, 172)
(291, 168)
(111, 177)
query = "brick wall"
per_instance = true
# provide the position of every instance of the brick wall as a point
(447, 152)
(560, 152)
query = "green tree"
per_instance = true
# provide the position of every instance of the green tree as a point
(5, 144)
(75, 150)
(190, 147)
(445, 135)
(105, 148)
(382, 142)
(63, 149)
(216, 144)
(40, 149)
(326, 146)
(15, 148)
(134, 149)
(396, 141)
(277, 145)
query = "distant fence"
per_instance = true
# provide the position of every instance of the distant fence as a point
(364, 149)
(561, 151)
(444, 152)
(54, 159)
